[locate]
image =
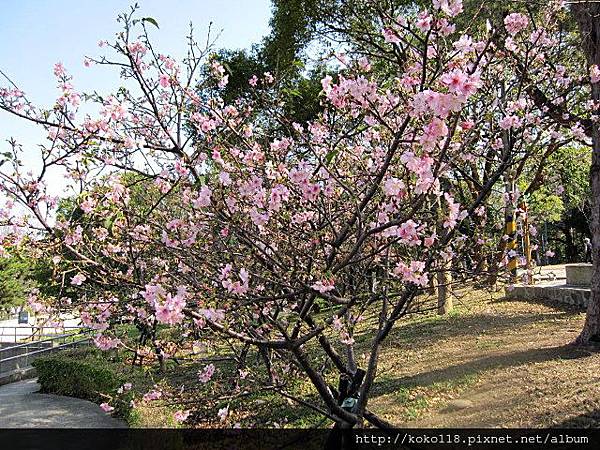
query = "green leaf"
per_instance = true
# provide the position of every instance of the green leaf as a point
(299, 64)
(330, 156)
(152, 21)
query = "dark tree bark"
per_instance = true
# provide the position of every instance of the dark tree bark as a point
(571, 252)
(587, 15)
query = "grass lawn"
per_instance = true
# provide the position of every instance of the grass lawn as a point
(493, 363)
(490, 363)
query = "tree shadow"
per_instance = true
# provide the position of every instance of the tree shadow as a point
(588, 419)
(555, 304)
(433, 329)
(487, 363)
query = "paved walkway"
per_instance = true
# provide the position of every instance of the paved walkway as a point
(22, 407)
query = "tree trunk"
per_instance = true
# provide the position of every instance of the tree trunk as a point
(444, 282)
(587, 15)
(570, 247)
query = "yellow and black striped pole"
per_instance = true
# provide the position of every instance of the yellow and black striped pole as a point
(510, 225)
(526, 242)
(510, 230)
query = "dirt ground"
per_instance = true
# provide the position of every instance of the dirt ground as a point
(494, 363)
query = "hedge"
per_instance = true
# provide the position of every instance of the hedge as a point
(80, 373)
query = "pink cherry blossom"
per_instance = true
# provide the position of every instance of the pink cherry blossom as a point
(75, 237)
(203, 198)
(429, 240)
(464, 44)
(459, 82)
(594, 73)
(393, 187)
(454, 214)
(78, 279)
(181, 416)
(106, 407)
(59, 70)
(323, 286)
(364, 64)
(268, 77)
(104, 342)
(510, 122)
(207, 373)
(450, 7)
(164, 80)
(223, 413)
(407, 232)
(515, 22)
(390, 36)
(433, 132)
(114, 109)
(168, 307)
(423, 21)
(412, 273)
(152, 395)
(88, 205)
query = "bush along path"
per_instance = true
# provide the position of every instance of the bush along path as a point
(21, 406)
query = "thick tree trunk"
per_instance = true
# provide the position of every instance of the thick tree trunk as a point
(587, 15)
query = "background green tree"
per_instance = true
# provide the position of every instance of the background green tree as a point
(17, 278)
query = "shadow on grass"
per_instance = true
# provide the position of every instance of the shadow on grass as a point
(479, 365)
(554, 304)
(588, 419)
(431, 329)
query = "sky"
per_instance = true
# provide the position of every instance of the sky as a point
(35, 34)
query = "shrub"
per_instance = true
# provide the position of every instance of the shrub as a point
(81, 373)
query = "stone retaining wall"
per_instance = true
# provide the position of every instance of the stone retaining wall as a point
(570, 295)
(579, 274)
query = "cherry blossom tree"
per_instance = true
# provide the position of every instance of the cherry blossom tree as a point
(232, 224)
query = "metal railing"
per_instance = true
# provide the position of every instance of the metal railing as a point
(20, 356)
(16, 334)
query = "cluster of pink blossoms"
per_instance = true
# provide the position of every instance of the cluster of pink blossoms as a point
(181, 416)
(450, 7)
(594, 73)
(238, 287)
(394, 187)
(152, 395)
(168, 307)
(515, 22)
(421, 166)
(432, 133)
(323, 286)
(206, 374)
(106, 343)
(301, 177)
(454, 214)
(96, 316)
(412, 273)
